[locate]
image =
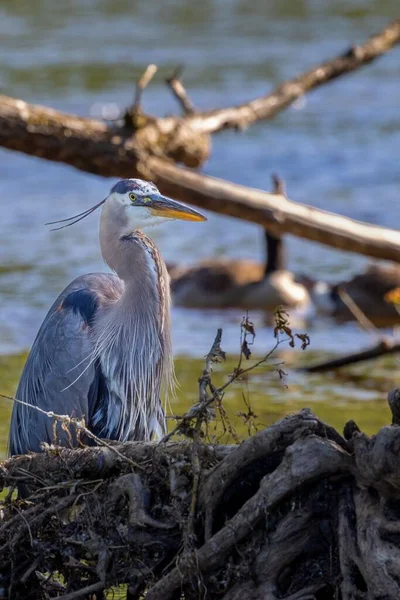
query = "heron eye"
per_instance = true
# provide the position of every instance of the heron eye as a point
(132, 197)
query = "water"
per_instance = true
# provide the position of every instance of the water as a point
(337, 149)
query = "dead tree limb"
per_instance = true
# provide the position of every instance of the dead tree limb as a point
(140, 145)
(95, 147)
(384, 346)
(180, 93)
(296, 469)
(285, 94)
(275, 212)
(302, 513)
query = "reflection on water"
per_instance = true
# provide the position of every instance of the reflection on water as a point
(337, 149)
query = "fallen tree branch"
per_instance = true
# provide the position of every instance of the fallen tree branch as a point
(180, 93)
(270, 442)
(384, 346)
(300, 514)
(140, 146)
(304, 462)
(70, 424)
(275, 212)
(87, 591)
(95, 147)
(268, 106)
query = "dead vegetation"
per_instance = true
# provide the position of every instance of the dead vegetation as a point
(296, 511)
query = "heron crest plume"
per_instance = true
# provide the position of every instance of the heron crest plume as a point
(141, 194)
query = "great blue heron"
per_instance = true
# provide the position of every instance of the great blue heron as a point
(104, 348)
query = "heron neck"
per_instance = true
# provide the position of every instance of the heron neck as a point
(133, 333)
(143, 272)
(275, 253)
(137, 261)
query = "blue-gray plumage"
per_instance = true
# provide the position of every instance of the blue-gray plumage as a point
(104, 348)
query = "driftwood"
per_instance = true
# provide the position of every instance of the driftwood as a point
(383, 347)
(144, 146)
(295, 512)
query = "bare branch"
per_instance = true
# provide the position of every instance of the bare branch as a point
(304, 461)
(285, 94)
(358, 314)
(142, 83)
(277, 213)
(384, 346)
(96, 147)
(198, 410)
(78, 424)
(86, 591)
(278, 184)
(178, 89)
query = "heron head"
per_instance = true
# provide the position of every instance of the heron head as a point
(135, 204)
(138, 204)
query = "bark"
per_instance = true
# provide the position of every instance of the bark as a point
(384, 346)
(296, 512)
(146, 147)
(266, 107)
(275, 212)
(93, 146)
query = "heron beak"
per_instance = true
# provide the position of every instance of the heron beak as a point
(171, 209)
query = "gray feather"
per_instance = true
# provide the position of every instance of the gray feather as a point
(60, 355)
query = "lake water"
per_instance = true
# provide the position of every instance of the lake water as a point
(337, 149)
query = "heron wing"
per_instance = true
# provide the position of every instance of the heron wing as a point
(59, 374)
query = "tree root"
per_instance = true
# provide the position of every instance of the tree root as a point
(296, 512)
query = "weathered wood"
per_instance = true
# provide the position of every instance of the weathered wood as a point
(301, 513)
(275, 212)
(93, 146)
(384, 346)
(138, 148)
(285, 94)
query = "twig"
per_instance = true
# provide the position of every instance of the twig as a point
(199, 410)
(94, 147)
(298, 469)
(23, 517)
(78, 423)
(385, 346)
(178, 89)
(356, 311)
(278, 184)
(61, 505)
(196, 469)
(86, 591)
(142, 83)
(215, 354)
(289, 91)
(30, 570)
(195, 411)
(16, 517)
